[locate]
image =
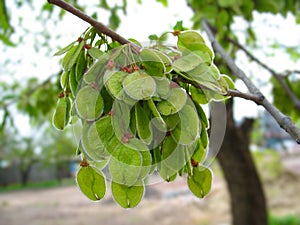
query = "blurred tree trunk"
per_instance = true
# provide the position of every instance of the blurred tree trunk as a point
(25, 172)
(248, 204)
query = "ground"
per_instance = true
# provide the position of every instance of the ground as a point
(163, 204)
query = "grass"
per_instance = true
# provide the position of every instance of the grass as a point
(286, 220)
(38, 185)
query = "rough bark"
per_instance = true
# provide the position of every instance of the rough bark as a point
(248, 204)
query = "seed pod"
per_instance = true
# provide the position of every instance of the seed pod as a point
(91, 182)
(61, 115)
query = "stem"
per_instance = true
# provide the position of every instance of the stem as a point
(99, 26)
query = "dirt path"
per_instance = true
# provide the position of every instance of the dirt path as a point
(66, 206)
(163, 204)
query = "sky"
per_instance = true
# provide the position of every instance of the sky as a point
(142, 20)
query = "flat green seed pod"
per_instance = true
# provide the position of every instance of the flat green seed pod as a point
(174, 103)
(113, 82)
(187, 63)
(139, 85)
(200, 181)
(143, 125)
(163, 89)
(61, 115)
(91, 183)
(125, 165)
(92, 144)
(96, 53)
(127, 196)
(89, 103)
(188, 129)
(96, 70)
(152, 62)
(72, 81)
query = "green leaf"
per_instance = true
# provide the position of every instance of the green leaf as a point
(61, 115)
(64, 79)
(81, 65)
(89, 103)
(164, 2)
(72, 81)
(179, 26)
(71, 56)
(65, 49)
(229, 3)
(187, 39)
(200, 181)
(199, 95)
(174, 103)
(139, 85)
(127, 196)
(91, 182)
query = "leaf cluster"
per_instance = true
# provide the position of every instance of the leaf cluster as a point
(139, 111)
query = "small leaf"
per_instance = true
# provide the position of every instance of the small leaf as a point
(65, 49)
(127, 196)
(71, 57)
(64, 79)
(89, 103)
(81, 65)
(91, 182)
(200, 181)
(187, 39)
(72, 81)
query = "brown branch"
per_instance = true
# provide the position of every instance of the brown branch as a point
(283, 120)
(277, 76)
(258, 99)
(99, 26)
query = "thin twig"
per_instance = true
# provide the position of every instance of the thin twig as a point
(99, 26)
(277, 76)
(283, 120)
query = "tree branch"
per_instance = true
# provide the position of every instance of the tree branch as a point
(258, 99)
(277, 76)
(283, 120)
(99, 26)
